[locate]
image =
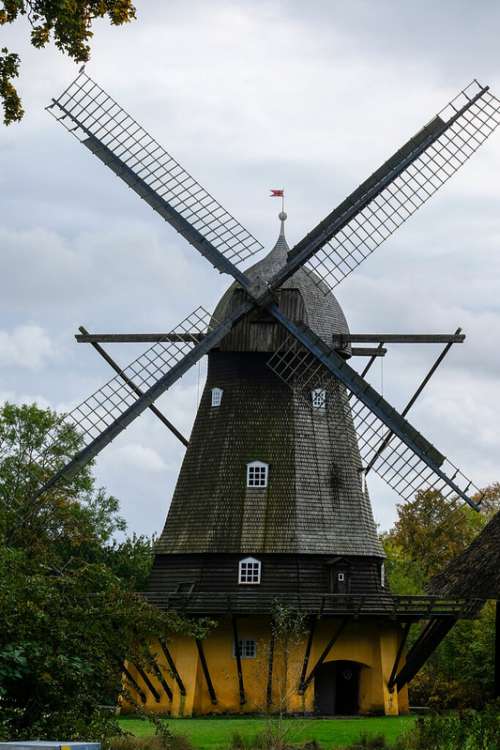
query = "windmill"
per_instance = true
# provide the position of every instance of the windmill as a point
(279, 330)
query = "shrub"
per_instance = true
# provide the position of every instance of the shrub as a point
(467, 730)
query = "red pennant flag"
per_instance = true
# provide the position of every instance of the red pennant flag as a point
(277, 193)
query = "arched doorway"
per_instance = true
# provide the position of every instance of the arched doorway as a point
(336, 688)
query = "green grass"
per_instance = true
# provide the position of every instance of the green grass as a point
(215, 734)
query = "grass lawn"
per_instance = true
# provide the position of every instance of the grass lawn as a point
(215, 734)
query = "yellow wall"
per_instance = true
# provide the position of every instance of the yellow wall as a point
(372, 644)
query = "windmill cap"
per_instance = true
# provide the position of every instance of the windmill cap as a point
(323, 312)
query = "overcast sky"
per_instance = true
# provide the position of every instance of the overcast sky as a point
(248, 96)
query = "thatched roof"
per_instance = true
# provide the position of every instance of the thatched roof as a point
(475, 572)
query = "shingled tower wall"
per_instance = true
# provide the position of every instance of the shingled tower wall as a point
(311, 528)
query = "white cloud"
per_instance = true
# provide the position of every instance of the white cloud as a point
(247, 97)
(27, 346)
(136, 456)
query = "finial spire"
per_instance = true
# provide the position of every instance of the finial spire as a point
(282, 217)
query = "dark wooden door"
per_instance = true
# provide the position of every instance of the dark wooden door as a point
(324, 689)
(346, 688)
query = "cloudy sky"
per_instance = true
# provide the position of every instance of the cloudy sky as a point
(248, 96)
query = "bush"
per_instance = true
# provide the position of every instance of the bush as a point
(273, 737)
(467, 730)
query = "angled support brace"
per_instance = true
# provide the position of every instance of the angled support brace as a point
(323, 656)
(171, 666)
(402, 644)
(387, 439)
(135, 388)
(156, 695)
(307, 654)
(206, 673)
(422, 649)
(134, 683)
(161, 679)
(237, 654)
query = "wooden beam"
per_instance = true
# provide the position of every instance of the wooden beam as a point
(134, 683)
(161, 679)
(138, 391)
(237, 654)
(307, 653)
(206, 673)
(269, 695)
(148, 683)
(135, 338)
(340, 340)
(172, 667)
(362, 351)
(420, 651)
(325, 653)
(388, 436)
(402, 644)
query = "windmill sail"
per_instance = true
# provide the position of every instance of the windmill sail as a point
(409, 463)
(108, 411)
(373, 212)
(101, 124)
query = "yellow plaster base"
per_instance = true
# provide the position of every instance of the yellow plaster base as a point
(370, 644)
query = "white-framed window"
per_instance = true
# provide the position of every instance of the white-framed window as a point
(217, 396)
(257, 474)
(341, 577)
(247, 648)
(362, 475)
(318, 399)
(382, 575)
(249, 571)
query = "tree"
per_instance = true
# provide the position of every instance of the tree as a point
(429, 532)
(69, 614)
(68, 24)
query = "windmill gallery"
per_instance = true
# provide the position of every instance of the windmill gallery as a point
(271, 512)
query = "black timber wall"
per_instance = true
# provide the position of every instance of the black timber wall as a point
(281, 573)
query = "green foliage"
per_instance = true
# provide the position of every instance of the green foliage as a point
(468, 730)
(427, 535)
(9, 69)
(69, 614)
(68, 24)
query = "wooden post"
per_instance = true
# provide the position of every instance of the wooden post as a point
(148, 683)
(206, 673)
(307, 653)
(325, 653)
(423, 648)
(238, 660)
(392, 678)
(134, 684)
(172, 667)
(161, 679)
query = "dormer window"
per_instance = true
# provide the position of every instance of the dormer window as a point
(217, 396)
(257, 474)
(318, 399)
(249, 571)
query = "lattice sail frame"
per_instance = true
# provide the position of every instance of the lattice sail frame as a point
(409, 190)
(85, 109)
(100, 410)
(396, 464)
